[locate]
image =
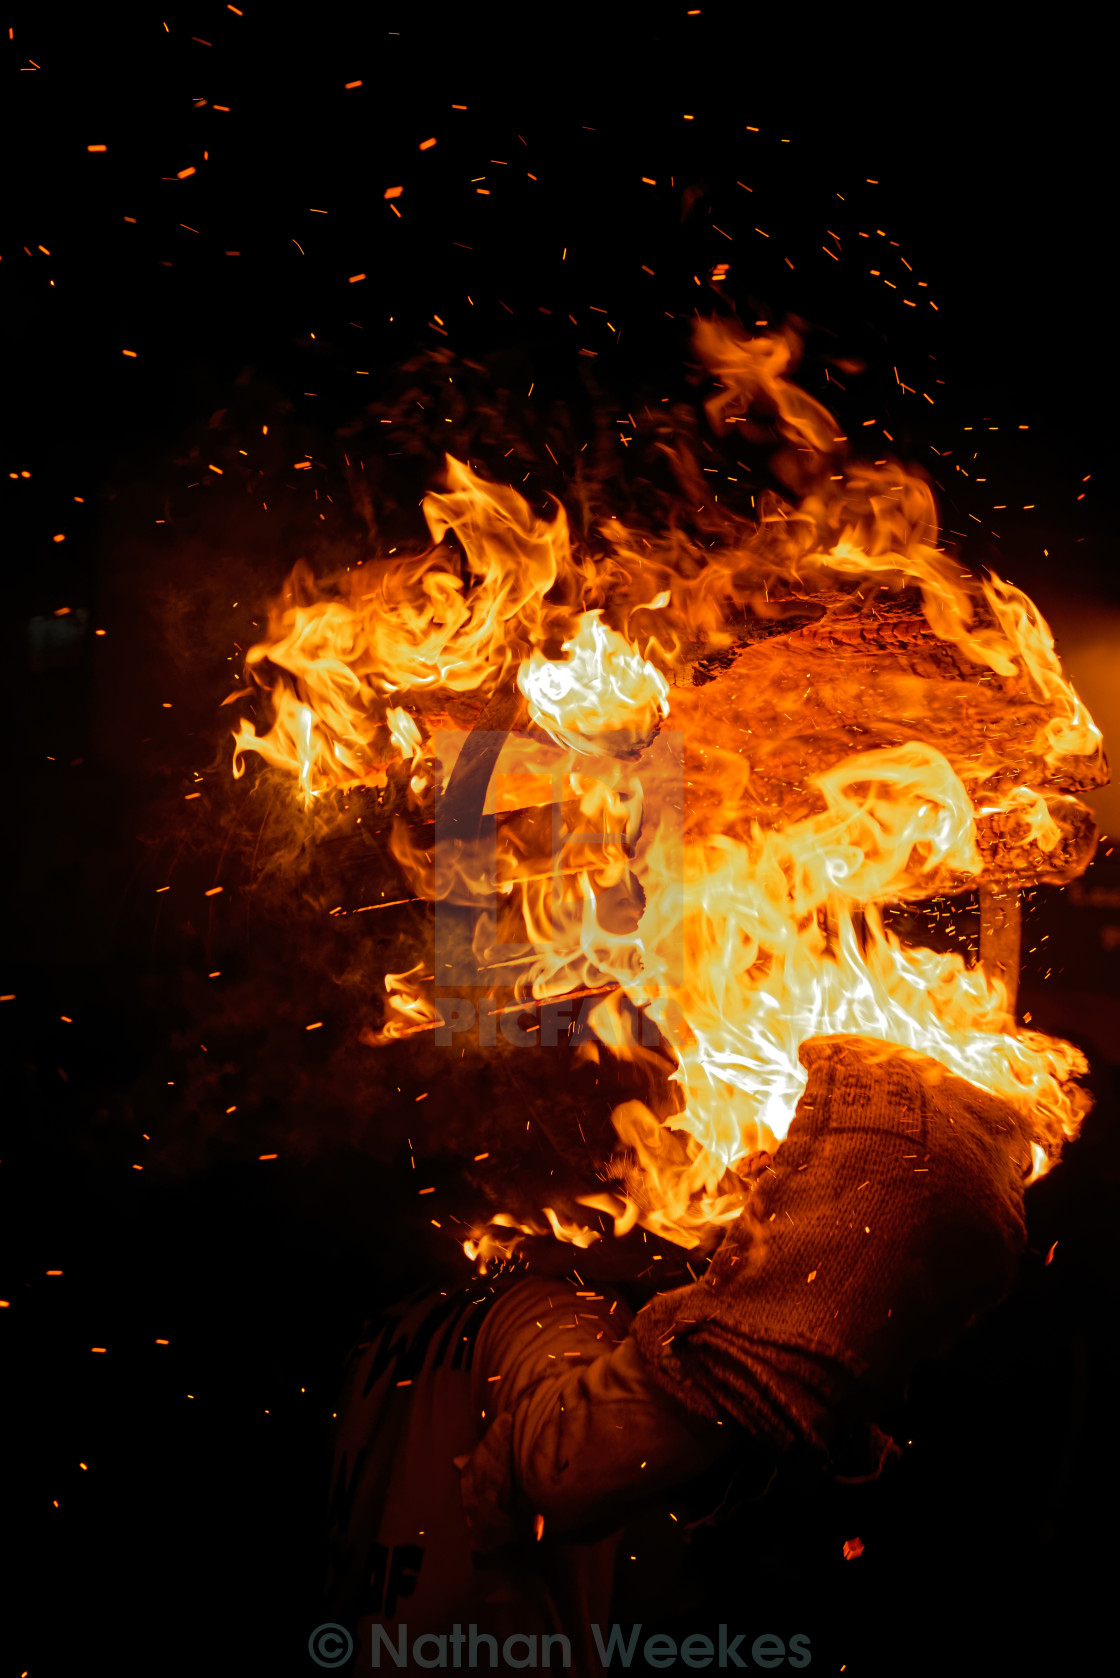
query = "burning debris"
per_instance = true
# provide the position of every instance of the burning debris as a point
(682, 772)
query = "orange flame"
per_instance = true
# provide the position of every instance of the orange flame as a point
(826, 776)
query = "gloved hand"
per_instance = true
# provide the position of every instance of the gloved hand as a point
(891, 1215)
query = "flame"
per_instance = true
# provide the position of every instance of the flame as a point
(406, 627)
(408, 1006)
(604, 689)
(854, 752)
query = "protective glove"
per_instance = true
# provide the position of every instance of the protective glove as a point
(892, 1214)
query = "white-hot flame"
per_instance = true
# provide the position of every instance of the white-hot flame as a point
(604, 692)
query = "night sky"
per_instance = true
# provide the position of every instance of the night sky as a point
(206, 233)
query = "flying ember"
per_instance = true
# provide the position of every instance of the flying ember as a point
(687, 782)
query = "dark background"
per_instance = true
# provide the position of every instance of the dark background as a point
(166, 1501)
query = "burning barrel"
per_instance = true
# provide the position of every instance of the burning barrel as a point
(692, 790)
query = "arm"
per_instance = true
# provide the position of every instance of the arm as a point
(580, 1432)
(891, 1216)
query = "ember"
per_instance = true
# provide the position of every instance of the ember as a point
(850, 721)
